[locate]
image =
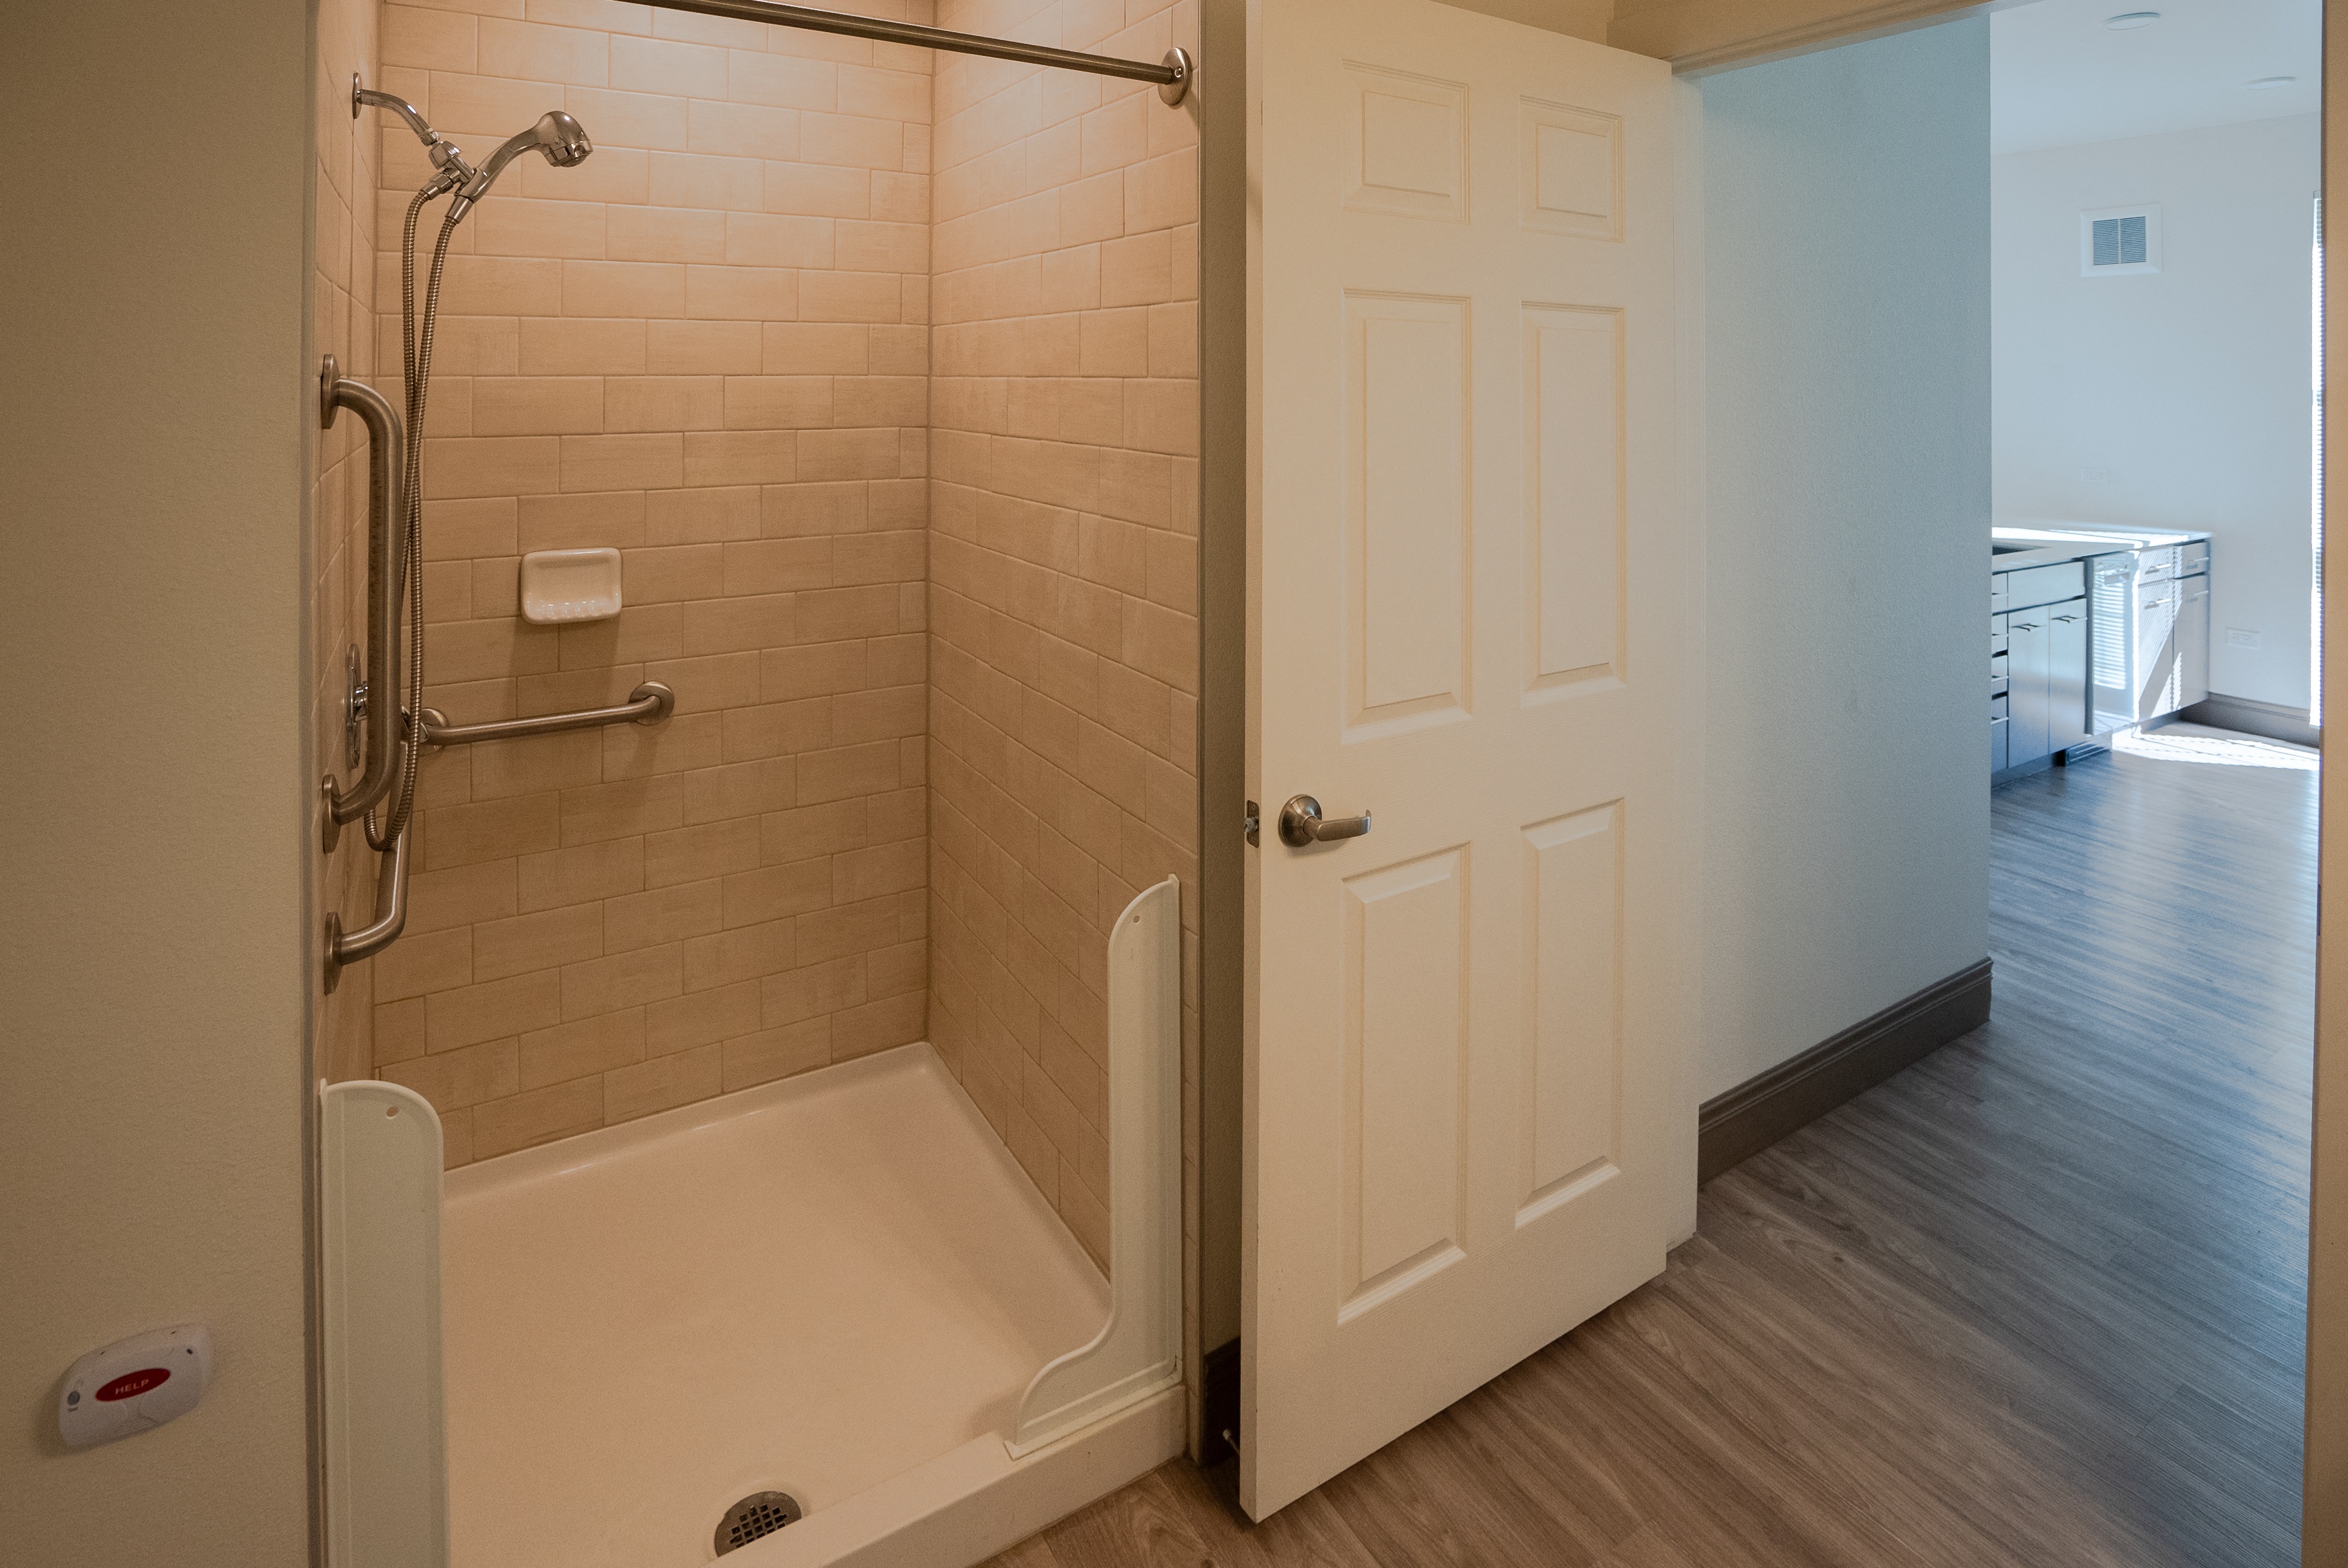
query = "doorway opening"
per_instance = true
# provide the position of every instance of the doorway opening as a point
(2157, 306)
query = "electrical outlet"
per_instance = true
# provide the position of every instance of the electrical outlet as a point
(2236, 638)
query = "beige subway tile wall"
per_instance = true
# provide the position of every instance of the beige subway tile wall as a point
(708, 347)
(342, 325)
(1063, 565)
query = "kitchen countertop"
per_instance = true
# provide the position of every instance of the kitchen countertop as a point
(2013, 549)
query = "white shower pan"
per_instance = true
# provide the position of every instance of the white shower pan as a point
(840, 1287)
(836, 1286)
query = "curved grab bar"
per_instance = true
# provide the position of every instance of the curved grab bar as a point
(647, 704)
(390, 912)
(387, 470)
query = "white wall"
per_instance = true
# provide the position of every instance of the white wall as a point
(1847, 390)
(153, 810)
(2187, 386)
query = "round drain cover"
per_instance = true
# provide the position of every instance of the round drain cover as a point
(760, 1513)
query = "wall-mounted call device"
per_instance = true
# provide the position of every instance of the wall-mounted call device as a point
(134, 1385)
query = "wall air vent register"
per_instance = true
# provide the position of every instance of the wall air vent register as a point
(2118, 240)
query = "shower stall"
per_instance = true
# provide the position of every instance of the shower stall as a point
(782, 945)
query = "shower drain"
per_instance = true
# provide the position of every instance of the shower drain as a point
(760, 1513)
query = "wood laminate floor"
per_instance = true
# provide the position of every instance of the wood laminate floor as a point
(2039, 1299)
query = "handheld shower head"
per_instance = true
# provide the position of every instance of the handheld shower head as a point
(561, 140)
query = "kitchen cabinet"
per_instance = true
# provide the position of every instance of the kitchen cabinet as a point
(2044, 680)
(2067, 675)
(2112, 606)
(2025, 664)
(2193, 641)
(2091, 631)
(2148, 645)
(2038, 664)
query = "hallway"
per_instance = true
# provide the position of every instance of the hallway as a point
(2038, 1299)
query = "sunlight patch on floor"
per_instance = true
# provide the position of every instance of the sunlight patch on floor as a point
(2221, 748)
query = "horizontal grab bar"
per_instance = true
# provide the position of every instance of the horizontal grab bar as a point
(647, 704)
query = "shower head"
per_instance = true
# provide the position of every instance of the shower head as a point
(562, 139)
(556, 137)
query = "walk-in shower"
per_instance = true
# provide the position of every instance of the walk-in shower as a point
(813, 1131)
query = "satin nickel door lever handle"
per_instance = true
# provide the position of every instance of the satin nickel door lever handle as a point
(1300, 823)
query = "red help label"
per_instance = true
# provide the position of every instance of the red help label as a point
(130, 1385)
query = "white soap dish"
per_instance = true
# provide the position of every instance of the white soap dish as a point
(559, 587)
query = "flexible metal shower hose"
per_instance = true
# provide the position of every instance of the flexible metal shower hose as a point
(415, 354)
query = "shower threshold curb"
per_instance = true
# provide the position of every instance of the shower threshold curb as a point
(972, 1501)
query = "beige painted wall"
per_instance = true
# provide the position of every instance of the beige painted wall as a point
(153, 805)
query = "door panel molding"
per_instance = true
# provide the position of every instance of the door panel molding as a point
(1576, 489)
(1409, 510)
(1574, 1012)
(1409, 151)
(1406, 937)
(1569, 164)
(1463, 1121)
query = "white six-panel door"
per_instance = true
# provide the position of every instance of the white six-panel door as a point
(1468, 604)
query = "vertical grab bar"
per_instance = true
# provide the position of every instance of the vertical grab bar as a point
(390, 913)
(387, 520)
(386, 533)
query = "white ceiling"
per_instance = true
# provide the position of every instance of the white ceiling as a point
(2059, 76)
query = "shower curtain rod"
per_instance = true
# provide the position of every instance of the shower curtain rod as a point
(1172, 76)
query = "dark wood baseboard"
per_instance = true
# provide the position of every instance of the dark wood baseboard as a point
(2249, 716)
(1735, 1126)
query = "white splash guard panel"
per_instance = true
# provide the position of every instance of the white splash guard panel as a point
(1138, 1351)
(380, 1298)
(834, 1285)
